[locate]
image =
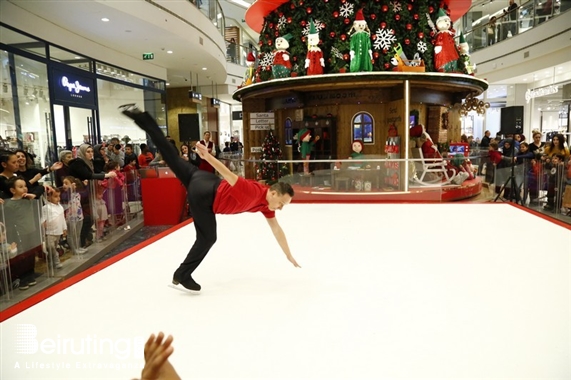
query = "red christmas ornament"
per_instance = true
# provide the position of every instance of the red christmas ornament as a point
(407, 41)
(374, 37)
(289, 20)
(271, 25)
(387, 66)
(409, 7)
(346, 57)
(420, 35)
(303, 39)
(267, 36)
(383, 25)
(281, 14)
(260, 43)
(277, 34)
(335, 14)
(385, 51)
(343, 1)
(332, 34)
(385, 8)
(326, 1)
(346, 21)
(432, 33)
(303, 23)
(430, 10)
(309, 10)
(376, 55)
(270, 43)
(301, 3)
(408, 26)
(397, 17)
(415, 16)
(343, 37)
(295, 58)
(292, 6)
(328, 60)
(373, 16)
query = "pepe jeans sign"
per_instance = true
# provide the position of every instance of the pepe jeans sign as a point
(539, 92)
(74, 90)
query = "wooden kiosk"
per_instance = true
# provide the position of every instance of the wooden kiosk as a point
(390, 98)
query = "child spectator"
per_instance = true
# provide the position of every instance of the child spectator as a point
(53, 221)
(114, 194)
(73, 213)
(145, 157)
(524, 170)
(555, 183)
(100, 213)
(132, 180)
(130, 155)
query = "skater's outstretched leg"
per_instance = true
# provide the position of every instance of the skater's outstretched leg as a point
(181, 168)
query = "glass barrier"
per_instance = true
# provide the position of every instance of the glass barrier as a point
(22, 242)
(212, 10)
(8, 251)
(499, 26)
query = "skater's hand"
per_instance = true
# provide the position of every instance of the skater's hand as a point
(292, 260)
(201, 150)
(157, 352)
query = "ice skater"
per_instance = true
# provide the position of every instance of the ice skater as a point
(209, 195)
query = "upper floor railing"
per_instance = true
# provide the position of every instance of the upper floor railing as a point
(213, 10)
(499, 26)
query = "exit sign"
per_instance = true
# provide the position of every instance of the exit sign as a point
(148, 56)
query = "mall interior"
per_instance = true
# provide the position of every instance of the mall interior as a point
(68, 66)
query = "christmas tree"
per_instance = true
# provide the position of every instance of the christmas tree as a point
(405, 26)
(270, 170)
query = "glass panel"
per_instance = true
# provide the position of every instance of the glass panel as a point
(34, 105)
(112, 123)
(8, 138)
(8, 251)
(70, 58)
(124, 75)
(20, 41)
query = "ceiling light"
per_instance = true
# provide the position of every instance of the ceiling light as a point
(105, 19)
(524, 79)
(168, 84)
(204, 68)
(169, 51)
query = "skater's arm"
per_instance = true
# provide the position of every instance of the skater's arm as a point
(281, 239)
(230, 177)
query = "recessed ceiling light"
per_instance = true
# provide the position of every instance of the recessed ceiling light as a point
(524, 79)
(105, 19)
(204, 68)
(76, 57)
(169, 51)
(168, 84)
(511, 86)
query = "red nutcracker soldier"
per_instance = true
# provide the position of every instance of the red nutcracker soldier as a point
(445, 52)
(314, 62)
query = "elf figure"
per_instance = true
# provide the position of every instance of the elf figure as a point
(282, 64)
(464, 61)
(357, 150)
(361, 54)
(250, 71)
(314, 62)
(305, 146)
(445, 53)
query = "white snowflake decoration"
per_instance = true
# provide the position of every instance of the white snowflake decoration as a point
(385, 39)
(336, 52)
(346, 10)
(421, 46)
(396, 6)
(267, 60)
(318, 26)
(282, 22)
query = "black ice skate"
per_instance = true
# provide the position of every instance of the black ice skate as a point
(188, 283)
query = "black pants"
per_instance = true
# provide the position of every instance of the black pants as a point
(201, 187)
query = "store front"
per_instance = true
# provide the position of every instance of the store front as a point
(549, 108)
(54, 99)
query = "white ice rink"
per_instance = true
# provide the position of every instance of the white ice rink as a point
(451, 291)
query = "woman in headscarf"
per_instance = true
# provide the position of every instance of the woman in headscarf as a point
(65, 156)
(83, 168)
(99, 158)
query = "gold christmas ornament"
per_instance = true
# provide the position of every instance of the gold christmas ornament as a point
(471, 103)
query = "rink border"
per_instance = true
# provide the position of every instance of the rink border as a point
(58, 287)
